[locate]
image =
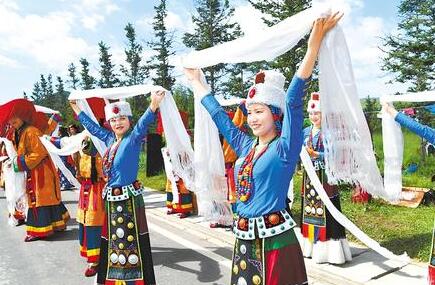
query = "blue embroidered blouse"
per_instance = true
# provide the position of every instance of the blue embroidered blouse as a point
(126, 163)
(274, 169)
(423, 131)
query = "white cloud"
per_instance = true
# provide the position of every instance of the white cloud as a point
(9, 62)
(9, 4)
(174, 22)
(145, 24)
(94, 12)
(90, 22)
(249, 19)
(363, 36)
(111, 7)
(47, 39)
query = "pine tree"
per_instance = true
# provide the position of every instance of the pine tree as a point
(88, 81)
(108, 78)
(62, 101)
(74, 80)
(276, 11)
(49, 98)
(43, 85)
(134, 73)
(213, 26)
(410, 54)
(60, 87)
(36, 92)
(162, 45)
(49, 86)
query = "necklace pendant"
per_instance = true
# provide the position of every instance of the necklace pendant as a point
(245, 197)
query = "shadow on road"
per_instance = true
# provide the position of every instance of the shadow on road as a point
(69, 234)
(173, 257)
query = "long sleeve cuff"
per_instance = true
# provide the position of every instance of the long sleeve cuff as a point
(19, 164)
(56, 118)
(401, 118)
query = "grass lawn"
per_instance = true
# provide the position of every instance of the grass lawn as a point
(157, 182)
(397, 228)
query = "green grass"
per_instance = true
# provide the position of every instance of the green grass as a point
(157, 182)
(397, 228)
(411, 154)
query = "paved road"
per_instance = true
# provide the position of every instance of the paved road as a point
(185, 252)
(179, 256)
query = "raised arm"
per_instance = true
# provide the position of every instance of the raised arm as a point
(53, 122)
(425, 132)
(237, 139)
(290, 142)
(421, 130)
(96, 130)
(140, 130)
(291, 139)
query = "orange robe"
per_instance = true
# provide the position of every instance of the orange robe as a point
(46, 210)
(230, 156)
(93, 213)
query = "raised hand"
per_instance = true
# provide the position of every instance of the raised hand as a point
(156, 99)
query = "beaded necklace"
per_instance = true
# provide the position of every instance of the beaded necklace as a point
(245, 174)
(109, 157)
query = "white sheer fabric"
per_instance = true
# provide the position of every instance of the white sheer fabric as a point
(393, 154)
(45, 110)
(352, 228)
(170, 174)
(392, 139)
(265, 44)
(69, 146)
(349, 154)
(178, 141)
(15, 184)
(210, 182)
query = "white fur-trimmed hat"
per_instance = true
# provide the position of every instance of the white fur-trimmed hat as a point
(314, 103)
(117, 109)
(268, 89)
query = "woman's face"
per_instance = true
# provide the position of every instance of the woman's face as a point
(316, 118)
(15, 122)
(72, 131)
(260, 119)
(120, 125)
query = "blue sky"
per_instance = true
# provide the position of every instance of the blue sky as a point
(44, 36)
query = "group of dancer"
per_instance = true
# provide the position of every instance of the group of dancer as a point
(113, 231)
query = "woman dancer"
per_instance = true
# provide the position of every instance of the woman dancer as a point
(428, 134)
(266, 249)
(324, 239)
(125, 255)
